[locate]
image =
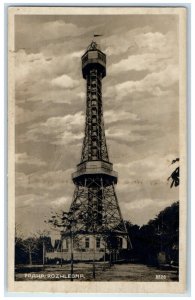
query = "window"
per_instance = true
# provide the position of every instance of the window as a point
(120, 243)
(85, 58)
(75, 244)
(86, 242)
(94, 111)
(94, 152)
(98, 242)
(92, 55)
(65, 244)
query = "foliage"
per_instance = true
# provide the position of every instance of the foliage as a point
(30, 250)
(158, 235)
(174, 175)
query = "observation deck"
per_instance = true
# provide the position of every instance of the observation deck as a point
(94, 170)
(93, 58)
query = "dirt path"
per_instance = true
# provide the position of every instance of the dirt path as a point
(136, 272)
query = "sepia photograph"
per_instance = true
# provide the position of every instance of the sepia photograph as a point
(97, 149)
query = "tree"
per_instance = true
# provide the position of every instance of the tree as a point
(64, 220)
(30, 246)
(174, 175)
(43, 244)
(20, 252)
(159, 234)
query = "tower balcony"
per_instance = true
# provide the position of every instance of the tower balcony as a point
(96, 169)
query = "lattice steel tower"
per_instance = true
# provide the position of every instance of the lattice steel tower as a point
(95, 207)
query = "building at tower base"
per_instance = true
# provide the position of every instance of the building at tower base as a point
(89, 248)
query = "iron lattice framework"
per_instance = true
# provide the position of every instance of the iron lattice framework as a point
(95, 206)
(94, 145)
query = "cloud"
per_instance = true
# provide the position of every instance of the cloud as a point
(143, 203)
(60, 202)
(64, 81)
(44, 78)
(25, 115)
(60, 28)
(156, 84)
(38, 194)
(111, 116)
(142, 40)
(124, 42)
(40, 65)
(157, 42)
(156, 54)
(24, 158)
(129, 131)
(123, 135)
(21, 180)
(27, 65)
(145, 209)
(44, 180)
(39, 34)
(56, 130)
(54, 95)
(150, 168)
(140, 62)
(28, 200)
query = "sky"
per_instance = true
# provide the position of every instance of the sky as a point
(140, 103)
